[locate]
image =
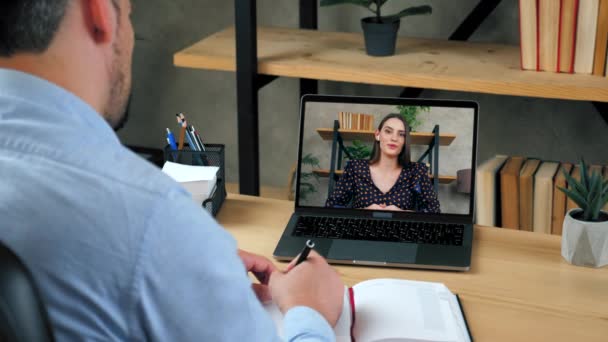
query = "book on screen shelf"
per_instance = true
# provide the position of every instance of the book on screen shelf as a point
(356, 121)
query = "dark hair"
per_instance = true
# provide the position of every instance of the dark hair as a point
(404, 156)
(30, 25)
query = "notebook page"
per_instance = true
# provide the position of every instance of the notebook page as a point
(402, 310)
(342, 328)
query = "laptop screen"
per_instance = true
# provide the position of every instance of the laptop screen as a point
(387, 154)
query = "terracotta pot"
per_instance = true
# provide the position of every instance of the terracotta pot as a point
(585, 243)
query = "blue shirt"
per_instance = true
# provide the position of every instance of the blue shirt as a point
(413, 189)
(118, 250)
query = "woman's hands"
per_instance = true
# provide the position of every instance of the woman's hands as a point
(384, 207)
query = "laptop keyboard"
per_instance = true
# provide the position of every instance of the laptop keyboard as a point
(379, 230)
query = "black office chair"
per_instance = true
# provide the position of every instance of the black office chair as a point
(22, 313)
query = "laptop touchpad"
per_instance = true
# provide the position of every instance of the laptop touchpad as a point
(373, 251)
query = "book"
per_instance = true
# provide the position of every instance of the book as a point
(567, 35)
(486, 192)
(509, 192)
(601, 40)
(548, 29)
(395, 310)
(586, 31)
(526, 194)
(543, 196)
(528, 34)
(576, 174)
(558, 211)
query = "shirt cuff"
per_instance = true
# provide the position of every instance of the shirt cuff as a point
(302, 323)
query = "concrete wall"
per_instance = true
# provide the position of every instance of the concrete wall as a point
(549, 129)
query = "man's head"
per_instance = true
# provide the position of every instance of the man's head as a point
(85, 46)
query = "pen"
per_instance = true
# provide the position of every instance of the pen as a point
(304, 254)
(198, 138)
(171, 141)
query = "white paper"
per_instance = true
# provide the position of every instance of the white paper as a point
(199, 181)
(403, 310)
(189, 173)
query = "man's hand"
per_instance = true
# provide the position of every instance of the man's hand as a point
(393, 208)
(261, 268)
(313, 283)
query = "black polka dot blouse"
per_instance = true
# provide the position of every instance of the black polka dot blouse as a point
(412, 191)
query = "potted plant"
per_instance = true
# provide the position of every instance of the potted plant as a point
(410, 115)
(380, 31)
(308, 179)
(585, 229)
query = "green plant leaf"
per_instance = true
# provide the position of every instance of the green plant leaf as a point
(414, 10)
(363, 3)
(584, 175)
(574, 184)
(596, 203)
(575, 196)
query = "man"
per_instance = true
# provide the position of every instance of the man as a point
(118, 250)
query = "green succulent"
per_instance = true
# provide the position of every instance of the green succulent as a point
(410, 115)
(590, 193)
(375, 7)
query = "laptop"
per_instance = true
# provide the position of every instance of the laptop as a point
(423, 219)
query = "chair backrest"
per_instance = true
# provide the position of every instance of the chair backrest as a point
(22, 313)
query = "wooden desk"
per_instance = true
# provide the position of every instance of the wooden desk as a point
(519, 287)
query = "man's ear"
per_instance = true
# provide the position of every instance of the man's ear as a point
(100, 17)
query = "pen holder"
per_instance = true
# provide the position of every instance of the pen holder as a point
(212, 156)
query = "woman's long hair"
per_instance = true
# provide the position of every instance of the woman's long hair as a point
(404, 156)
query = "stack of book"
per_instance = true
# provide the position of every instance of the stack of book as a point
(356, 121)
(522, 193)
(569, 36)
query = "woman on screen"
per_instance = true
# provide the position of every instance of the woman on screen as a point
(389, 180)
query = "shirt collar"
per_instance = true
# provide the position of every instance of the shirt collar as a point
(40, 92)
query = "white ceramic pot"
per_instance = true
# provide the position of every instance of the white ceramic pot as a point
(585, 243)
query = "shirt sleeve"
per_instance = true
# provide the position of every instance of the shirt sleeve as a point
(426, 192)
(344, 188)
(189, 284)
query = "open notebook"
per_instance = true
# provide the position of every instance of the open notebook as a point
(396, 310)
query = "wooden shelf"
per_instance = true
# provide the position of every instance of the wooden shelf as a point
(417, 138)
(423, 63)
(442, 179)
